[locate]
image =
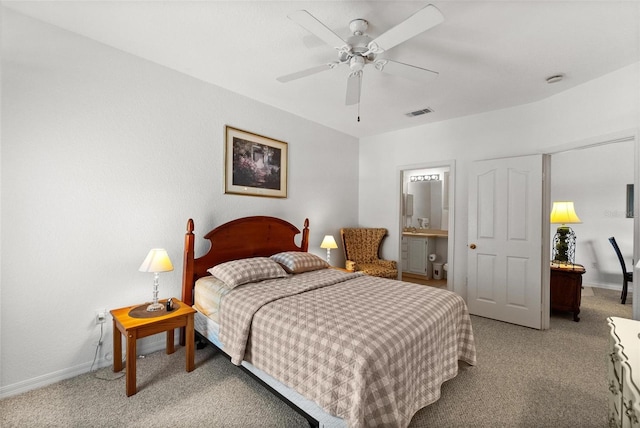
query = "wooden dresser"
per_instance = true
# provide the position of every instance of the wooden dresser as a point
(566, 288)
(623, 373)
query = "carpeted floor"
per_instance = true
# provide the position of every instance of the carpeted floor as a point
(524, 378)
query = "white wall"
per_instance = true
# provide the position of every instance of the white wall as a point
(105, 156)
(590, 111)
(595, 179)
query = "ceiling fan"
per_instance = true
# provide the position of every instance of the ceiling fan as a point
(360, 50)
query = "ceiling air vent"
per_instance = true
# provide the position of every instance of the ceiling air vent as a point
(419, 112)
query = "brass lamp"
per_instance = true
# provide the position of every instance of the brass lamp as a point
(156, 261)
(328, 242)
(564, 241)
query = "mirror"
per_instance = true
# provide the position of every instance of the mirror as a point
(425, 199)
(427, 204)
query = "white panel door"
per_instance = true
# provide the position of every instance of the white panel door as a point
(505, 240)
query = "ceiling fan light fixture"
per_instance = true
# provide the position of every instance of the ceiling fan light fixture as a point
(356, 63)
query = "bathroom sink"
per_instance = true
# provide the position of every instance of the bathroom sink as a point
(425, 232)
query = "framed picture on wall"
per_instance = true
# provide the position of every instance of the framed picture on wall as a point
(255, 165)
(630, 201)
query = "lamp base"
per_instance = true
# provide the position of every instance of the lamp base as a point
(155, 307)
(564, 245)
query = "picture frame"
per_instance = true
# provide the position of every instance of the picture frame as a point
(630, 209)
(255, 165)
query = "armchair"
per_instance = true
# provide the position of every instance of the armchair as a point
(361, 250)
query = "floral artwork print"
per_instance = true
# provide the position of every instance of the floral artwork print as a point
(256, 165)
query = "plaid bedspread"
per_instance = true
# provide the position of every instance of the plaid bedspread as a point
(370, 350)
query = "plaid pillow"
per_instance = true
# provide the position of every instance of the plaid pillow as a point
(238, 272)
(298, 262)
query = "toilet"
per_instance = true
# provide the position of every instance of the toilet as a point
(445, 268)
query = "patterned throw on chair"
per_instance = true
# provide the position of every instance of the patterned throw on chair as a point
(362, 252)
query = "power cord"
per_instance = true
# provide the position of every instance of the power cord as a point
(95, 355)
(106, 374)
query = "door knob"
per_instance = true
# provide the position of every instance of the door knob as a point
(472, 246)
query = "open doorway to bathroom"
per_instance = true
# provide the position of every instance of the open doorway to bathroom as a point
(426, 220)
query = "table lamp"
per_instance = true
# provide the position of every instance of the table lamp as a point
(157, 261)
(328, 242)
(564, 241)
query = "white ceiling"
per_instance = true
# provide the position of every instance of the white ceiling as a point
(490, 54)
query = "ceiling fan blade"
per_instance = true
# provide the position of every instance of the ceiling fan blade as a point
(421, 21)
(311, 23)
(308, 72)
(405, 70)
(354, 83)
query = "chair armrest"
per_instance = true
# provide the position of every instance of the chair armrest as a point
(391, 264)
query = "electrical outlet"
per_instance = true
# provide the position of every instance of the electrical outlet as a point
(101, 316)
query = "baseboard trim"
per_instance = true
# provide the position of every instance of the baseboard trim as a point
(606, 286)
(146, 347)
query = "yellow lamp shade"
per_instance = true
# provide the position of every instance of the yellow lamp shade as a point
(564, 213)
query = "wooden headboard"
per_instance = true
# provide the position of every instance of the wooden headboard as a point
(257, 236)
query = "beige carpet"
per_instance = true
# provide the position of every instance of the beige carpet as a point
(524, 378)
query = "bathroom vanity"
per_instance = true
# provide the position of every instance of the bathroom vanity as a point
(417, 244)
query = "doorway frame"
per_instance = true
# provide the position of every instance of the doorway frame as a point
(451, 164)
(616, 137)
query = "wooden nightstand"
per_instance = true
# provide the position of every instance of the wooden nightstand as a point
(135, 323)
(566, 288)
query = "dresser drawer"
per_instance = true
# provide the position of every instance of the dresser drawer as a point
(623, 370)
(615, 387)
(630, 402)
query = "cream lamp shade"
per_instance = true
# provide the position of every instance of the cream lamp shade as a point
(564, 213)
(156, 261)
(329, 242)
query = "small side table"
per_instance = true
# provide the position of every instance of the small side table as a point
(566, 288)
(135, 324)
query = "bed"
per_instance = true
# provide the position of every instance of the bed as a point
(342, 348)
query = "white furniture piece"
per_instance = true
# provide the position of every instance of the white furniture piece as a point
(416, 254)
(624, 372)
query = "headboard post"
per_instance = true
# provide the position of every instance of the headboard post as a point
(187, 271)
(304, 245)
